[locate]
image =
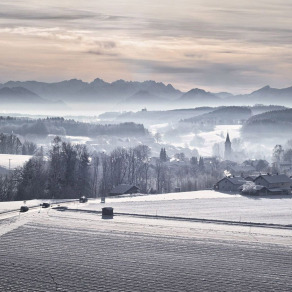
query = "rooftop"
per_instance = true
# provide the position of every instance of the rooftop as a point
(276, 178)
(121, 189)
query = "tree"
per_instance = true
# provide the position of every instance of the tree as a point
(55, 168)
(157, 137)
(163, 155)
(262, 165)
(33, 180)
(288, 155)
(194, 161)
(249, 188)
(95, 161)
(83, 178)
(201, 164)
(277, 153)
(29, 148)
(180, 156)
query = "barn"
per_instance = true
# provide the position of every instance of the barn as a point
(123, 189)
(229, 184)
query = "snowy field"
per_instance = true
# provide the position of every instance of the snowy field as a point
(204, 205)
(72, 139)
(80, 251)
(205, 140)
(15, 160)
(201, 204)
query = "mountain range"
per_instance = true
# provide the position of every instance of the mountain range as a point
(133, 92)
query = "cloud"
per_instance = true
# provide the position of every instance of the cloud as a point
(194, 43)
(30, 15)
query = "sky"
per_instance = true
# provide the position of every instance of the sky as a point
(227, 45)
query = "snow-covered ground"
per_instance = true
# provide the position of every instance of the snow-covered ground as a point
(72, 139)
(202, 141)
(201, 204)
(204, 205)
(208, 139)
(155, 128)
(15, 160)
(170, 197)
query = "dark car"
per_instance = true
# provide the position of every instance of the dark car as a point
(23, 209)
(83, 199)
(46, 205)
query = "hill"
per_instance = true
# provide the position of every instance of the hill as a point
(266, 95)
(269, 125)
(154, 117)
(199, 97)
(144, 98)
(223, 115)
(19, 95)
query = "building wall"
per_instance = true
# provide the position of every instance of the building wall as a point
(226, 186)
(261, 181)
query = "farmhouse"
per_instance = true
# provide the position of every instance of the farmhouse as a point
(123, 189)
(276, 184)
(229, 184)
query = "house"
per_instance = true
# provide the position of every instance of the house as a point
(276, 184)
(251, 177)
(123, 189)
(229, 184)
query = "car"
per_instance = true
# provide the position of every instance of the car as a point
(83, 199)
(46, 205)
(23, 209)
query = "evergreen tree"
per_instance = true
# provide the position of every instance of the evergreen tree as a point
(83, 177)
(201, 164)
(163, 155)
(194, 161)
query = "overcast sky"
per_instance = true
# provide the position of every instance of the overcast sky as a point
(226, 45)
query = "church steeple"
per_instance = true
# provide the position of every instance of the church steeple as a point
(228, 149)
(227, 138)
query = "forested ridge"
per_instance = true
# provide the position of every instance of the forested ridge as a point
(61, 126)
(277, 122)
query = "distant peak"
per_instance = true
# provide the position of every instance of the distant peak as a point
(120, 81)
(265, 88)
(98, 80)
(197, 90)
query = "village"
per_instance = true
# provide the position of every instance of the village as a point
(252, 177)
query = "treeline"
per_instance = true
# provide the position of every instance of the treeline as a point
(68, 171)
(61, 126)
(11, 144)
(63, 173)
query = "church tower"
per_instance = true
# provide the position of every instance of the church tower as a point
(228, 149)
